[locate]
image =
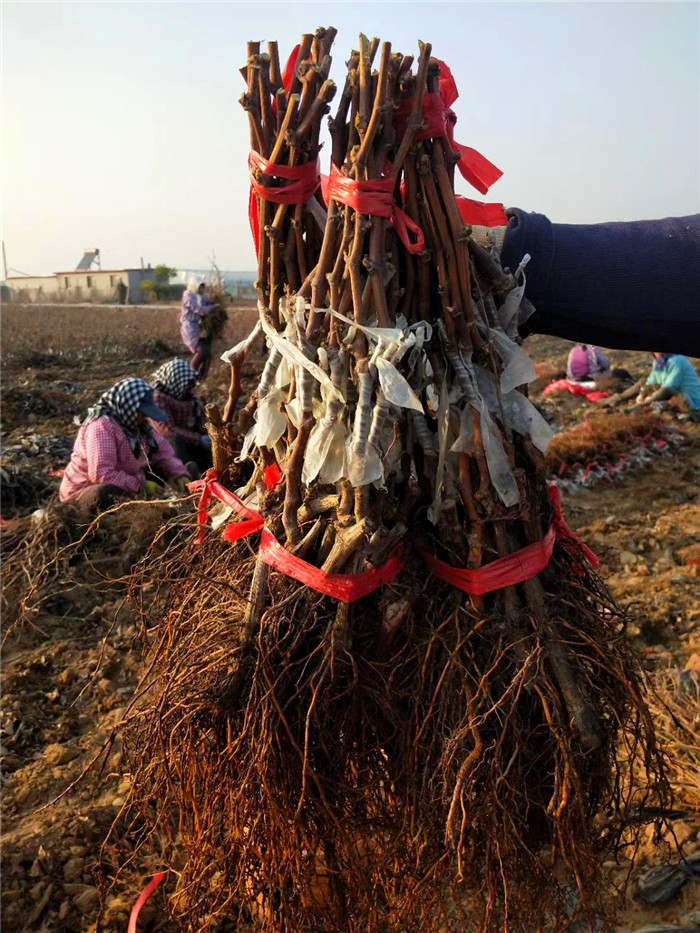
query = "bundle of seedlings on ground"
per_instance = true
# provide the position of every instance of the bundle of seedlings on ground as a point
(58, 564)
(391, 697)
(605, 447)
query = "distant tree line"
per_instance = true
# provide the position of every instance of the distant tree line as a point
(161, 289)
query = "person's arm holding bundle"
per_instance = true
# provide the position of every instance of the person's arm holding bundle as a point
(630, 286)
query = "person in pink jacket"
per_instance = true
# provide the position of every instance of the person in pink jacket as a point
(174, 393)
(116, 449)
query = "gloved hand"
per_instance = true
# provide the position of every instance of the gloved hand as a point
(484, 236)
(205, 441)
(152, 490)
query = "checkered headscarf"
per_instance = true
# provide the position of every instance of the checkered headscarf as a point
(121, 404)
(174, 378)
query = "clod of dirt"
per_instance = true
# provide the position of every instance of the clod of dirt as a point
(60, 754)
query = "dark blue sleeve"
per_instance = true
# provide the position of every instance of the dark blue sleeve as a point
(630, 286)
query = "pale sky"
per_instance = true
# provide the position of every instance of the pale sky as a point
(122, 128)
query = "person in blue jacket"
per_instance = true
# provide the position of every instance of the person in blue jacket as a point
(627, 286)
(671, 375)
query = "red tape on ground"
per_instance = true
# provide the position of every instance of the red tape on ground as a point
(346, 587)
(517, 567)
(375, 198)
(143, 897)
(575, 388)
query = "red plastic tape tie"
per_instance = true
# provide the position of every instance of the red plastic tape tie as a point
(518, 567)
(439, 120)
(376, 198)
(506, 571)
(143, 897)
(289, 69)
(480, 214)
(564, 533)
(205, 486)
(272, 475)
(346, 587)
(287, 75)
(212, 489)
(304, 179)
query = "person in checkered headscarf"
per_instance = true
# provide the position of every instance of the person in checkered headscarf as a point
(116, 448)
(123, 403)
(174, 384)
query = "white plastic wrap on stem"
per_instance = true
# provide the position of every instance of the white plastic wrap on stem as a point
(295, 356)
(386, 335)
(269, 372)
(396, 389)
(462, 373)
(325, 452)
(395, 341)
(426, 438)
(391, 345)
(305, 380)
(518, 368)
(365, 465)
(501, 475)
(270, 421)
(381, 416)
(490, 311)
(480, 316)
(244, 346)
(248, 443)
(465, 441)
(508, 312)
(443, 422)
(496, 460)
(519, 412)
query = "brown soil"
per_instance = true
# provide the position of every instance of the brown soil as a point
(67, 680)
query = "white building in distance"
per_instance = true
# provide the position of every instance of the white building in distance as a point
(122, 286)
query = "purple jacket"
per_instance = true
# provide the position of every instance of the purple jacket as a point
(632, 286)
(194, 307)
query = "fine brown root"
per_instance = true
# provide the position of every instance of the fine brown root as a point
(312, 783)
(674, 702)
